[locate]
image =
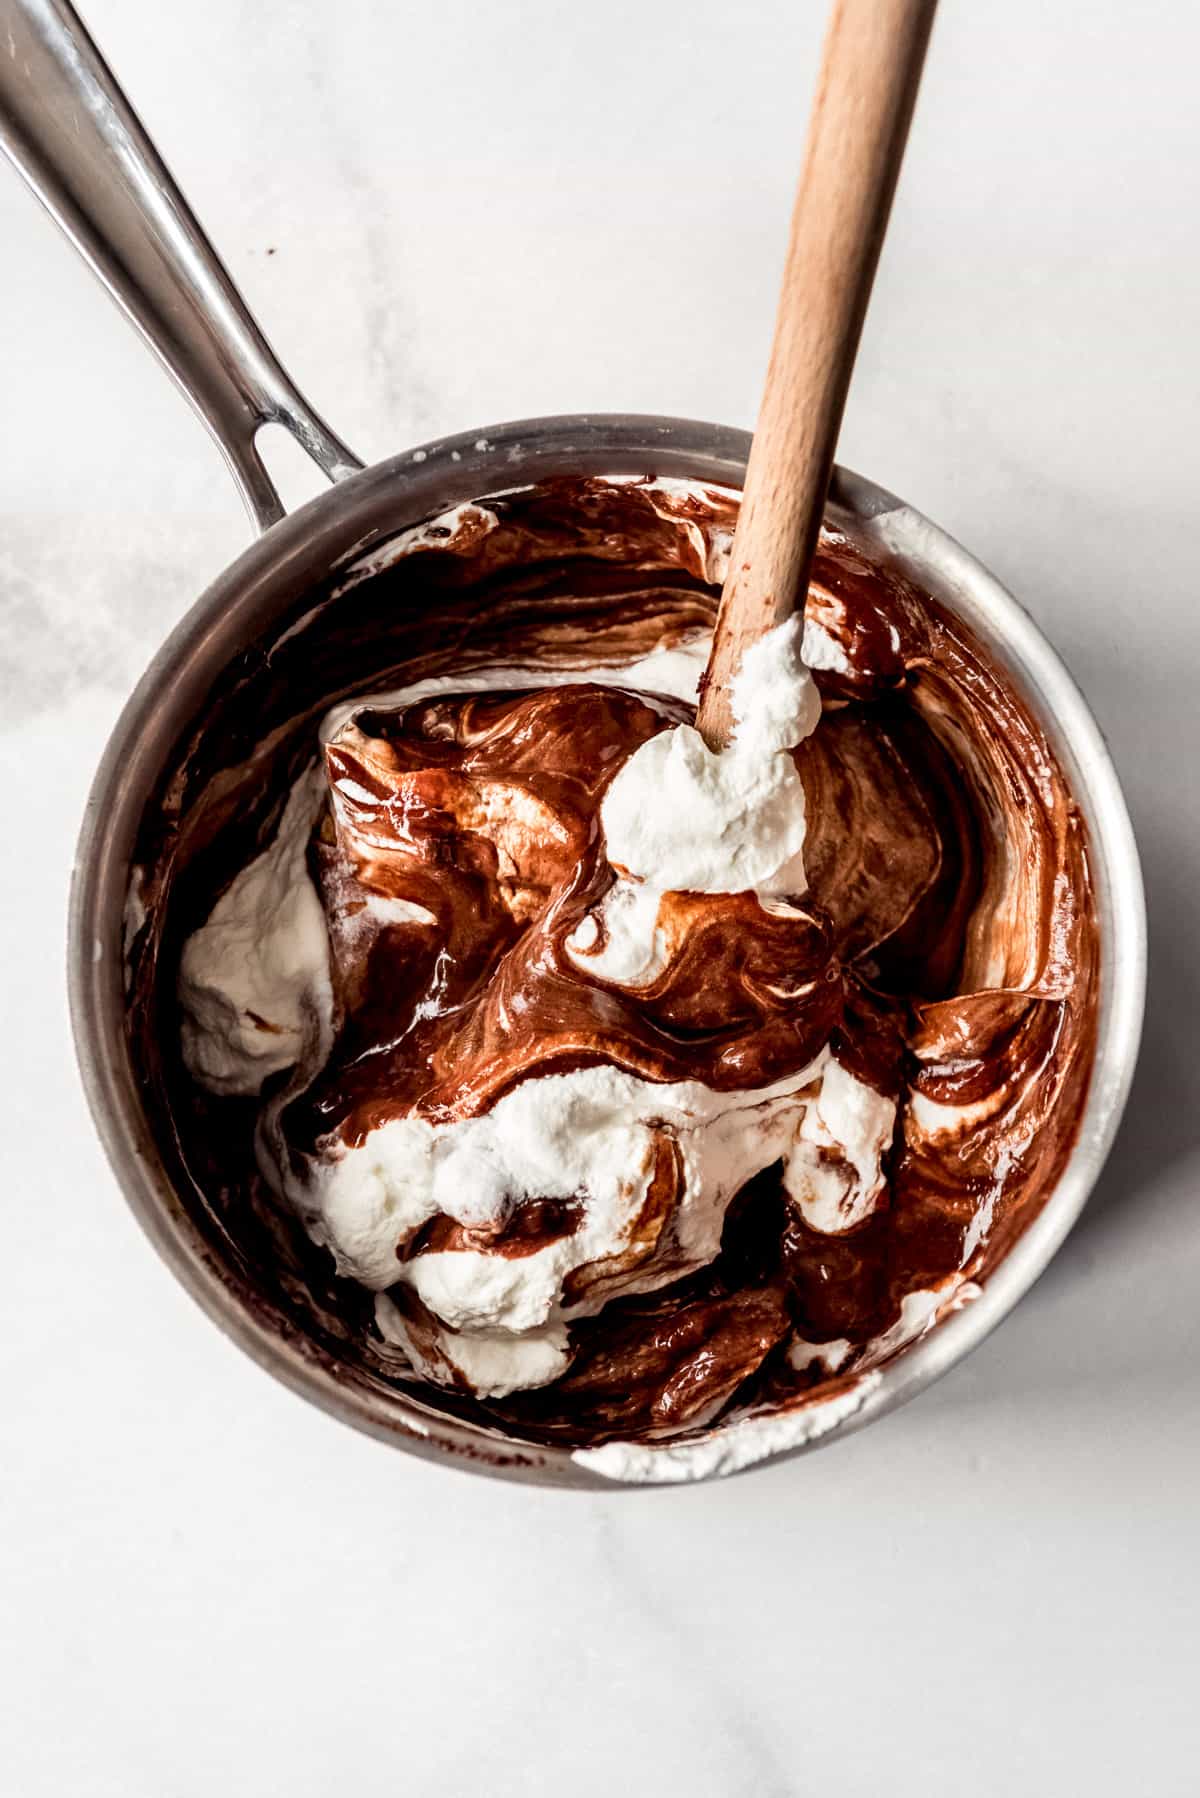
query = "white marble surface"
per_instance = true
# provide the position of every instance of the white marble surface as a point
(479, 212)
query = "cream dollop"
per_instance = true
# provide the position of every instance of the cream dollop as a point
(254, 983)
(682, 817)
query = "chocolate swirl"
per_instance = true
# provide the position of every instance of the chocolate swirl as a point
(484, 814)
(944, 951)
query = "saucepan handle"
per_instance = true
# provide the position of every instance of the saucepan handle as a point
(70, 131)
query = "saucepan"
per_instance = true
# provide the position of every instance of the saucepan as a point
(70, 131)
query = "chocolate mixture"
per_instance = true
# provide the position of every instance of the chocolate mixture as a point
(945, 946)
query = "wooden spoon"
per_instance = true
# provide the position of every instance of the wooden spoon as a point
(870, 70)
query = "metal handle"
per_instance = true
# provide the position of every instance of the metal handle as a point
(70, 131)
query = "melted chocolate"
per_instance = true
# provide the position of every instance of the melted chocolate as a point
(484, 812)
(945, 945)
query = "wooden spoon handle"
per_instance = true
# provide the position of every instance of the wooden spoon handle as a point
(870, 70)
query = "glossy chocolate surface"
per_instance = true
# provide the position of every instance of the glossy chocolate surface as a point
(945, 946)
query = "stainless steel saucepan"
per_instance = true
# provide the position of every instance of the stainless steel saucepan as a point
(70, 131)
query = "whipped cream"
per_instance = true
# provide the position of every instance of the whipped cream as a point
(595, 1133)
(497, 1246)
(672, 669)
(834, 1171)
(492, 1363)
(682, 817)
(256, 994)
(254, 980)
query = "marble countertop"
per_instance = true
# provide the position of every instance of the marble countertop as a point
(446, 216)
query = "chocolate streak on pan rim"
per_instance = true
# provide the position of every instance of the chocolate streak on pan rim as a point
(359, 514)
